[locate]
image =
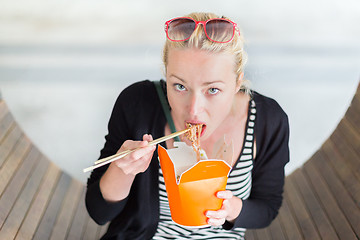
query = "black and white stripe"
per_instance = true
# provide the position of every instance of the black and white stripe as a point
(239, 182)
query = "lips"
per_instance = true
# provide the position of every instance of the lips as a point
(196, 123)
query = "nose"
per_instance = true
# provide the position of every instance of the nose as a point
(196, 104)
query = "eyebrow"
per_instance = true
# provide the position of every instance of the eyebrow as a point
(173, 75)
(204, 84)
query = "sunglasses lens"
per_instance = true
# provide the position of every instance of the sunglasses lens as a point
(220, 30)
(180, 29)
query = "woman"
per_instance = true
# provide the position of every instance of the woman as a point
(204, 65)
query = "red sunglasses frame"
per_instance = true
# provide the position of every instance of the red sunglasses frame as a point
(204, 26)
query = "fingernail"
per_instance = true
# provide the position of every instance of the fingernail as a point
(220, 194)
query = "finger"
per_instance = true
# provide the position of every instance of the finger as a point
(216, 222)
(135, 164)
(141, 165)
(147, 137)
(129, 144)
(227, 194)
(226, 205)
(147, 157)
(217, 214)
(142, 152)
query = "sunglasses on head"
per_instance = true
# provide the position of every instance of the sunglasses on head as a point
(218, 30)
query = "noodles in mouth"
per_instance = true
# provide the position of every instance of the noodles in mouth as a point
(194, 137)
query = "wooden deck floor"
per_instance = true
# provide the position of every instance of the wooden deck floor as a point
(37, 199)
(321, 199)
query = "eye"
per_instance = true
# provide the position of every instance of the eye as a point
(213, 91)
(179, 87)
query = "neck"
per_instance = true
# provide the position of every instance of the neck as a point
(231, 124)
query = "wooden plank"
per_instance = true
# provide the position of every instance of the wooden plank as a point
(8, 143)
(328, 201)
(275, 230)
(99, 230)
(344, 200)
(40, 202)
(103, 229)
(348, 153)
(350, 135)
(13, 162)
(318, 215)
(16, 216)
(91, 231)
(80, 220)
(6, 123)
(250, 235)
(67, 211)
(3, 109)
(297, 205)
(263, 233)
(8, 199)
(354, 110)
(51, 213)
(354, 119)
(288, 221)
(344, 171)
(355, 102)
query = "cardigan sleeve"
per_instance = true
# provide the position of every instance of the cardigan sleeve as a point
(99, 209)
(136, 111)
(272, 137)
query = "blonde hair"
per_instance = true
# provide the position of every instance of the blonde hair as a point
(199, 40)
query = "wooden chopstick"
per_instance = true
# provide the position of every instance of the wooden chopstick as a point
(104, 161)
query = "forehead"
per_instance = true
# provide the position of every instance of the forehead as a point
(200, 58)
(199, 65)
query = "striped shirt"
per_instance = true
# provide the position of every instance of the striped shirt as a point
(239, 182)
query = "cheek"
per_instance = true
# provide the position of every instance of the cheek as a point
(176, 104)
(221, 106)
(219, 109)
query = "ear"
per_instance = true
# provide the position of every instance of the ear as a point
(239, 81)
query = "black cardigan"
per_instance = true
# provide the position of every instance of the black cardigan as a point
(138, 111)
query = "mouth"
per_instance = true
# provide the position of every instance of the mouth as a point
(192, 123)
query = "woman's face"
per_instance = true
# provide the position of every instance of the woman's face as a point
(201, 88)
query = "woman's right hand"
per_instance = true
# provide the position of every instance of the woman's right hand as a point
(116, 182)
(138, 161)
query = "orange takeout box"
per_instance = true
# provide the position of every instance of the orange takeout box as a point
(191, 186)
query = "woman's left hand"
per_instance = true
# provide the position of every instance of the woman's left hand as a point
(229, 210)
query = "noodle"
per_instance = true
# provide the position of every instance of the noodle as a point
(194, 136)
